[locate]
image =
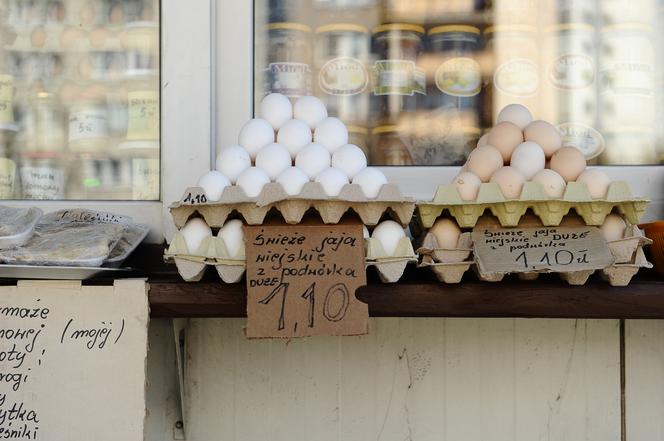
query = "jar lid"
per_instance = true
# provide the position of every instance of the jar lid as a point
(334, 27)
(454, 28)
(570, 27)
(399, 27)
(288, 26)
(510, 28)
(627, 27)
(384, 129)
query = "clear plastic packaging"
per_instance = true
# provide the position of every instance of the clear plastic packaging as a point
(17, 225)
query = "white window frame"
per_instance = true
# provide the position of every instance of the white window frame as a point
(185, 117)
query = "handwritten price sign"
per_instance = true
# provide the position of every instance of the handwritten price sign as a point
(301, 280)
(559, 249)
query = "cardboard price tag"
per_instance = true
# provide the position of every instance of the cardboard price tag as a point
(546, 249)
(301, 279)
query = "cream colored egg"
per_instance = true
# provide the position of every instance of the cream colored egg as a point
(505, 136)
(552, 183)
(544, 134)
(510, 181)
(613, 227)
(517, 114)
(388, 233)
(194, 232)
(468, 185)
(233, 235)
(447, 233)
(568, 162)
(596, 181)
(483, 140)
(528, 158)
(484, 161)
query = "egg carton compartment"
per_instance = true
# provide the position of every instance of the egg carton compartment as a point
(624, 249)
(461, 253)
(448, 272)
(293, 208)
(390, 267)
(212, 252)
(620, 274)
(550, 210)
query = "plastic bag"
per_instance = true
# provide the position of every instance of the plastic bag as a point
(17, 225)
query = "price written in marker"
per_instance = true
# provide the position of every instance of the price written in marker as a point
(301, 280)
(559, 249)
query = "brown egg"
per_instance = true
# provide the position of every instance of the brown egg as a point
(510, 181)
(568, 162)
(544, 134)
(505, 136)
(484, 161)
(596, 181)
(483, 140)
(468, 185)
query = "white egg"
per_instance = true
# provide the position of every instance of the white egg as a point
(370, 180)
(294, 135)
(254, 135)
(613, 227)
(516, 114)
(528, 158)
(447, 233)
(194, 232)
(232, 161)
(276, 109)
(273, 159)
(252, 181)
(233, 235)
(596, 181)
(310, 109)
(331, 133)
(388, 233)
(552, 183)
(213, 184)
(292, 180)
(468, 185)
(350, 159)
(313, 159)
(333, 180)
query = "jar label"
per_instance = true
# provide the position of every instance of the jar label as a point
(628, 77)
(459, 77)
(143, 115)
(43, 182)
(88, 124)
(145, 179)
(7, 172)
(290, 79)
(572, 71)
(517, 77)
(583, 137)
(343, 76)
(398, 77)
(6, 99)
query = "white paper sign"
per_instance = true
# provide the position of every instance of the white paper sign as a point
(72, 361)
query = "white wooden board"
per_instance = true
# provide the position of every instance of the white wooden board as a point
(409, 379)
(73, 359)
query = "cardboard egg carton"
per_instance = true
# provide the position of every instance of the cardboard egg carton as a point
(550, 210)
(620, 274)
(448, 272)
(293, 208)
(446, 255)
(212, 252)
(390, 267)
(624, 249)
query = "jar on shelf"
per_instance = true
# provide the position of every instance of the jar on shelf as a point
(142, 115)
(629, 145)
(359, 135)
(515, 12)
(42, 175)
(397, 79)
(7, 123)
(288, 59)
(636, 11)
(7, 173)
(584, 137)
(341, 53)
(43, 125)
(361, 12)
(569, 89)
(387, 147)
(88, 122)
(285, 11)
(577, 11)
(145, 177)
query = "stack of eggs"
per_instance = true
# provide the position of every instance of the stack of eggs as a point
(518, 149)
(292, 145)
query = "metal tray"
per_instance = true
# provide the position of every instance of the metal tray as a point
(59, 272)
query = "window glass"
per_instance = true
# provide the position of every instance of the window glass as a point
(419, 81)
(79, 99)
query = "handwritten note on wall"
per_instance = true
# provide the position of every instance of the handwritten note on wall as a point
(72, 361)
(301, 280)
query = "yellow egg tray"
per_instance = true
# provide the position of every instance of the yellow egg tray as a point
(293, 208)
(550, 211)
(390, 267)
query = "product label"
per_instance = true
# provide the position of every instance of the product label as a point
(343, 76)
(6, 99)
(145, 179)
(459, 77)
(398, 77)
(88, 124)
(583, 137)
(627, 77)
(43, 182)
(290, 79)
(143, 115)
(7, 173)
(572, 71)
(517, 77)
